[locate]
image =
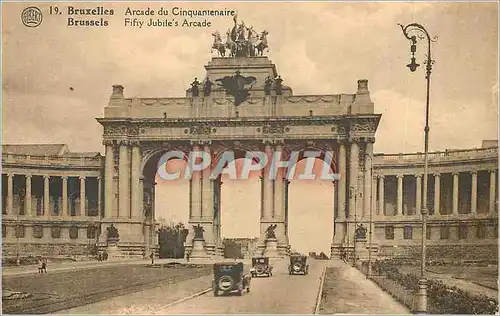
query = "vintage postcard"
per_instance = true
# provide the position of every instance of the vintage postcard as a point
(249, 157)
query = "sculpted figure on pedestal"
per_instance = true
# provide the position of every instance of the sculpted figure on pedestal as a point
(198, 232)
(270, 231)
(361, 232)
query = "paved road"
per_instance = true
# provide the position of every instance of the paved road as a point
(280, 294)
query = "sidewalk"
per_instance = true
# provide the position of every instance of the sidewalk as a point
(79, 265)
(347, 291)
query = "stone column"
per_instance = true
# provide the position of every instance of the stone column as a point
(399, 208)
(124, 181)
(108, 180)
(437, 189)
(140, 200)
(492, 192)
(27, 203)
(83, 205)
(473, 194)
(10, 196)
(207, 210)
(135, 173)
(381, 195)
(455, 193)
(64, 196)
(279, 191)
(418, 200)
(367, 180)
(268, 185)
(46, 196)
(99, 197)
(353, 177)
(195, 192)
(342, 183)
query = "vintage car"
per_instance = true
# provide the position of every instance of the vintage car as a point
(298, 264)
(230, 277)
(261, 266)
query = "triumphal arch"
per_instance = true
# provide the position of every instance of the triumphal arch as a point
(240, 105)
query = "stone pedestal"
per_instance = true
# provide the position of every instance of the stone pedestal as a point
(271, 248)
(112, 249)
(198, 251)
(361, 249)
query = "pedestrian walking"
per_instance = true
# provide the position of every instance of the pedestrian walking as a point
(40, 266)
(44, 265)
(188, 254)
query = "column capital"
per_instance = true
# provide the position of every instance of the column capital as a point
(473, 172)
(370, 140)
(46, 177)
(437, 174)
(28, 175)
(99, 178)
(82, 177)
(455, 173)
(10, 174)
(400, 176)
(381, 176)
(108, 142)
(123, 142)
(492, 170)
(418, 175)
(134, 143)
(64, 177)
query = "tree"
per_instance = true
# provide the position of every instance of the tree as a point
(232, 249)
(171, 239)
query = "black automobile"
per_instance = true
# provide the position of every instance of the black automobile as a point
(298, 265)
(261, 266)
(230, 277)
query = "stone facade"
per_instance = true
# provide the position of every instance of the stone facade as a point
(49, 189)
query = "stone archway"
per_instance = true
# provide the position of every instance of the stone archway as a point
(135, 129)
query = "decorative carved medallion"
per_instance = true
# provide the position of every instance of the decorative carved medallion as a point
(274, 129)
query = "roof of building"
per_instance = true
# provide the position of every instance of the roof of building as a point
(61, 150)
(490, 143)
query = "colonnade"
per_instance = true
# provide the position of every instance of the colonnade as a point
(436, 191)
(48, 201)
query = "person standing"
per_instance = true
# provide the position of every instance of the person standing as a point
(44, 265)
(152, 256)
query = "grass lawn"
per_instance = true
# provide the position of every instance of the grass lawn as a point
(62, 290)
(485, 276)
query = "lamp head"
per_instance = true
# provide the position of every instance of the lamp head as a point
(413, 65)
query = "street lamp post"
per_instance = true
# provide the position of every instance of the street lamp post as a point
(369, 273)
(424, 35)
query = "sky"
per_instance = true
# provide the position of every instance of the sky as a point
(318, 48)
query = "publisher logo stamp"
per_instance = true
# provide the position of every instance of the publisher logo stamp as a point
(31, 17)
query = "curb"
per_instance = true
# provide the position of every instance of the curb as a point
(320, 291)
(187, 298)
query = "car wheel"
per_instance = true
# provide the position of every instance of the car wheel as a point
(248, 289)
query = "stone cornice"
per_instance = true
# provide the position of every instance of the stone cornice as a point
(359, 123)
